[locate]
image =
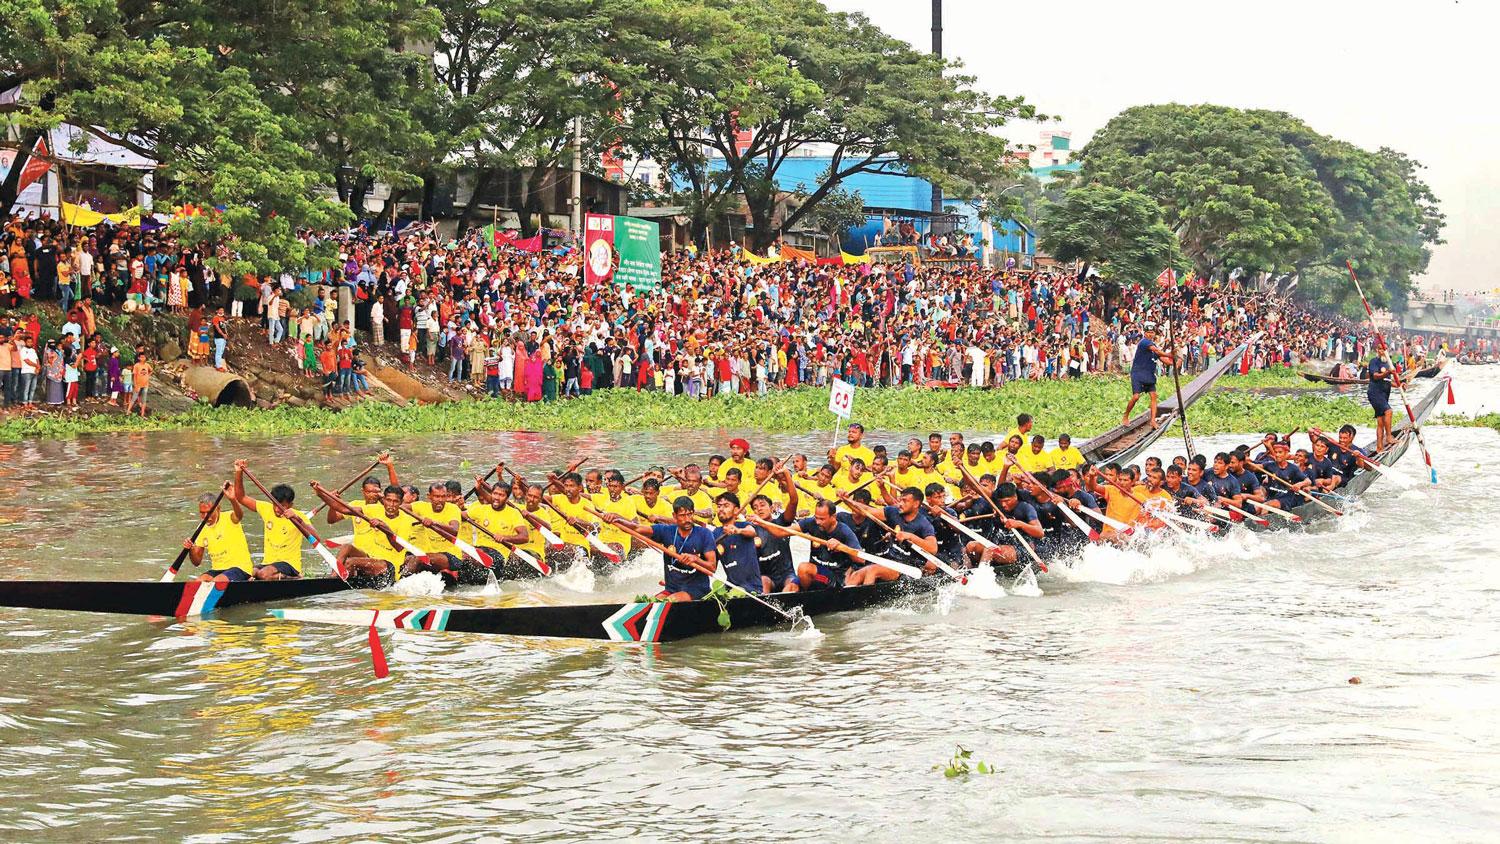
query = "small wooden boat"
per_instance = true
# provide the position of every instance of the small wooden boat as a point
(1363, 378)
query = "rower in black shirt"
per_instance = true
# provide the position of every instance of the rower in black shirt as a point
(1068, 487)
(1225, 485)
(776, 569)
(1291, 475)
(1325, 475)
(950, 540)
(1014, 515)
(872, 537)
(1346, 456)
(911, 530)
(1250, 485)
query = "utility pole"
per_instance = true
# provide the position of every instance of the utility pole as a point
(937, 50)
(576, 220)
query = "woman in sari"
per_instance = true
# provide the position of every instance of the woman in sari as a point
(52, 370)
(549, 382)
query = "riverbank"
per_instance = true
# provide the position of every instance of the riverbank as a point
(1084, 407)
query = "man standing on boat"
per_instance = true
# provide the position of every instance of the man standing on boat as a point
(1382, 375)
(1143, 371)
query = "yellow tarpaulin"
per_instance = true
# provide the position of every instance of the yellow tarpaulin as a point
(854, 259)
(78, 215)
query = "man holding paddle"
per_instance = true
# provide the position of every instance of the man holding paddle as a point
(375, 561)
(283, 538)
(222, 538)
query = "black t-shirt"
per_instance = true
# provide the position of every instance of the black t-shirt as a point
(902, 552)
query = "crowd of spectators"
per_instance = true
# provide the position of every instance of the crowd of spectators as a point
(526, 325)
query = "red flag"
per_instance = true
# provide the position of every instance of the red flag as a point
(37, 165)
(1168, 278)
(530, 244)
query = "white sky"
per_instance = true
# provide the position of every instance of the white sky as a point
(1419, 76)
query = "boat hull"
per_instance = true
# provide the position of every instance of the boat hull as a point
(630, 622)
(172, 600)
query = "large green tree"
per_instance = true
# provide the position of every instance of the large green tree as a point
(798, 78)
(1120, 231)
(1263, 192)
(256, 107)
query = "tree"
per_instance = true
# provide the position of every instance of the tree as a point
(511, 77)
(244, 107)
(1119, 230)
(1263, 192)
(836, 213)
(724, 85)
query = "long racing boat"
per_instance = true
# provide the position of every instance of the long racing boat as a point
(1122, 443)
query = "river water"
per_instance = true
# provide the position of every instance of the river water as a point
(1196, 692)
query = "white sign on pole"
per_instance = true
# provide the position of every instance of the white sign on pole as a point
(841, 399)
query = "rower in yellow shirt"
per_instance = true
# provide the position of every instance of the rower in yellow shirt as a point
(1022, 429)
(282, 538)
(614, 499)
(1065, 456)
(1119, 505)
(575, 518)
(1035, 458)
(840, 456)
(908, 473)
(222, 538)
(769, 487)
(494, 513)
(691, 480)
(536, 515)
(739, 458)
(378, 562)
(820, 488)
(651, 507)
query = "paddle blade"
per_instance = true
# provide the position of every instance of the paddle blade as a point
(1450, 392)
(531, 559)
(377, 655)
(1094, 536)
(169, 575)
(605, 550)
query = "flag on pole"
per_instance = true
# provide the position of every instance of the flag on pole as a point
(1168, 278)
(36, 166)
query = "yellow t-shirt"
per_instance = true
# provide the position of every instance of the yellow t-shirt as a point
(502, 522)
(624, 508)
(430, 540)
(1066, 458)
(226, 544)
(845, 483)
(1033, 462)
(362, 529)
(570, 534)
(1156, 502)
(1119, 506)
(845, 453)
(380, 547)
(648, 512)
(772, 491)
(701, 499)
(536, 543)
(746, 467)
(282, 539)
(918, 478)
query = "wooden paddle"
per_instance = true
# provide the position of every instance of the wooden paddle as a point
(526, 556)
(1364, 460)
(921, 552)
(452, 536)
(1057, 500)
(1274, 477)
(176, 566)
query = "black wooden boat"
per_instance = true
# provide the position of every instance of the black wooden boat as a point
(1363, 378)
(615, 622)
(170, 600)
(1123, 443)
(1357, 485)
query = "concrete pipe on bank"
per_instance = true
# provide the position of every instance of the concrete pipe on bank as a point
(219, 389)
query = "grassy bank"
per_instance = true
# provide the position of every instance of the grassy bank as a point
(1084, 407)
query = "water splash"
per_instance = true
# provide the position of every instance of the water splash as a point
(421, 584)
(981, 584)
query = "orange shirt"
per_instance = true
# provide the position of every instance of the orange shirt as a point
(140, 375)
(1119, 506)
(329, 359)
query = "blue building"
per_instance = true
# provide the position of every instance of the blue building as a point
(898, 197)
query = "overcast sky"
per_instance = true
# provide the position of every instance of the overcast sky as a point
(1419, 76)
